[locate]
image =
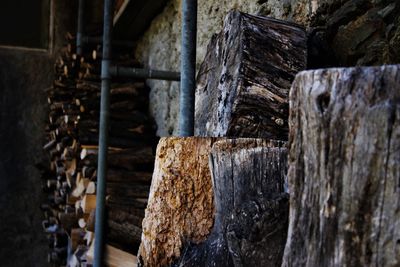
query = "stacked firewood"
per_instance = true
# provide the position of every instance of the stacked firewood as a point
(72, 146)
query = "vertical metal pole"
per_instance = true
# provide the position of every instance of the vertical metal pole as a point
(79, 34)
(103, 138)
(188, 68)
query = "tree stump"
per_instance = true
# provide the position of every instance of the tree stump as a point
(251, 206)
(180, 205)
(244, 81)
(344, 168)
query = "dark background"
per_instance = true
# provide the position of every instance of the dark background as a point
(24, 76)
(25, 23)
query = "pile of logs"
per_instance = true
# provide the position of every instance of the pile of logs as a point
(221, 198)
(240, 195)
(72, 146)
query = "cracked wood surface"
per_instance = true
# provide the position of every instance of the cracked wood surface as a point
(251, 206)
(344, 168)
(243, 84)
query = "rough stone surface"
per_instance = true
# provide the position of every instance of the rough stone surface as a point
(361, 32)
(180, 207)
(344, 166)
(160, 46)
(22, 100)
(344, 33)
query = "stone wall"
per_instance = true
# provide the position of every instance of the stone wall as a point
(342, 33)
(22, 100)
(360, 32)
(160, 46)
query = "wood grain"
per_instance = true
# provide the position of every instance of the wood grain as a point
(180, 205)
(251, 206)
(243, 84)
(344, 168)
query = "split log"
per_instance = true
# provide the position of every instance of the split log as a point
(344, 167)
(127, 190)
(123, 176)
(93, 139)
(134, 205)
(137, 134)
(91, 188)
(68, 220)
(118, 103)
(76, 238)
(88, 203)
(72, 131)
(91, 221)
(123, 227)
(140, 159)
(244, 81)
(123, 230)
(180, 202)
(128, 119)
(252, 206)
(114, 257)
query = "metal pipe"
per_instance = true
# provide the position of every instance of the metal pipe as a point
(188, 68)
(79, 34)
(117, 71)
(99, 40)
(103, 134)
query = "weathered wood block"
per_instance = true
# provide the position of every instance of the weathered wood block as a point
(244, 81)
(252, 206)
(344, 168)
(180, 205)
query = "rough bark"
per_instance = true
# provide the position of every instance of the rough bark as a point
(251, 206)
(180, 203)
(244, 81)
(344, 167)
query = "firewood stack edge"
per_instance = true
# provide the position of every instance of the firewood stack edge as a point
(72, 145)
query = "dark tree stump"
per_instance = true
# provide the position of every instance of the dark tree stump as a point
(244, 81)
(251, 206)
(344, 168)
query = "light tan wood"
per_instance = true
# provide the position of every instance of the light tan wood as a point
(80, 187)
(114, 257)
(88, 151)
(82, 223)
(71, 200)
(78, 205)
(180, 206)
(89, 236)
(88, 203)
(91, 188)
